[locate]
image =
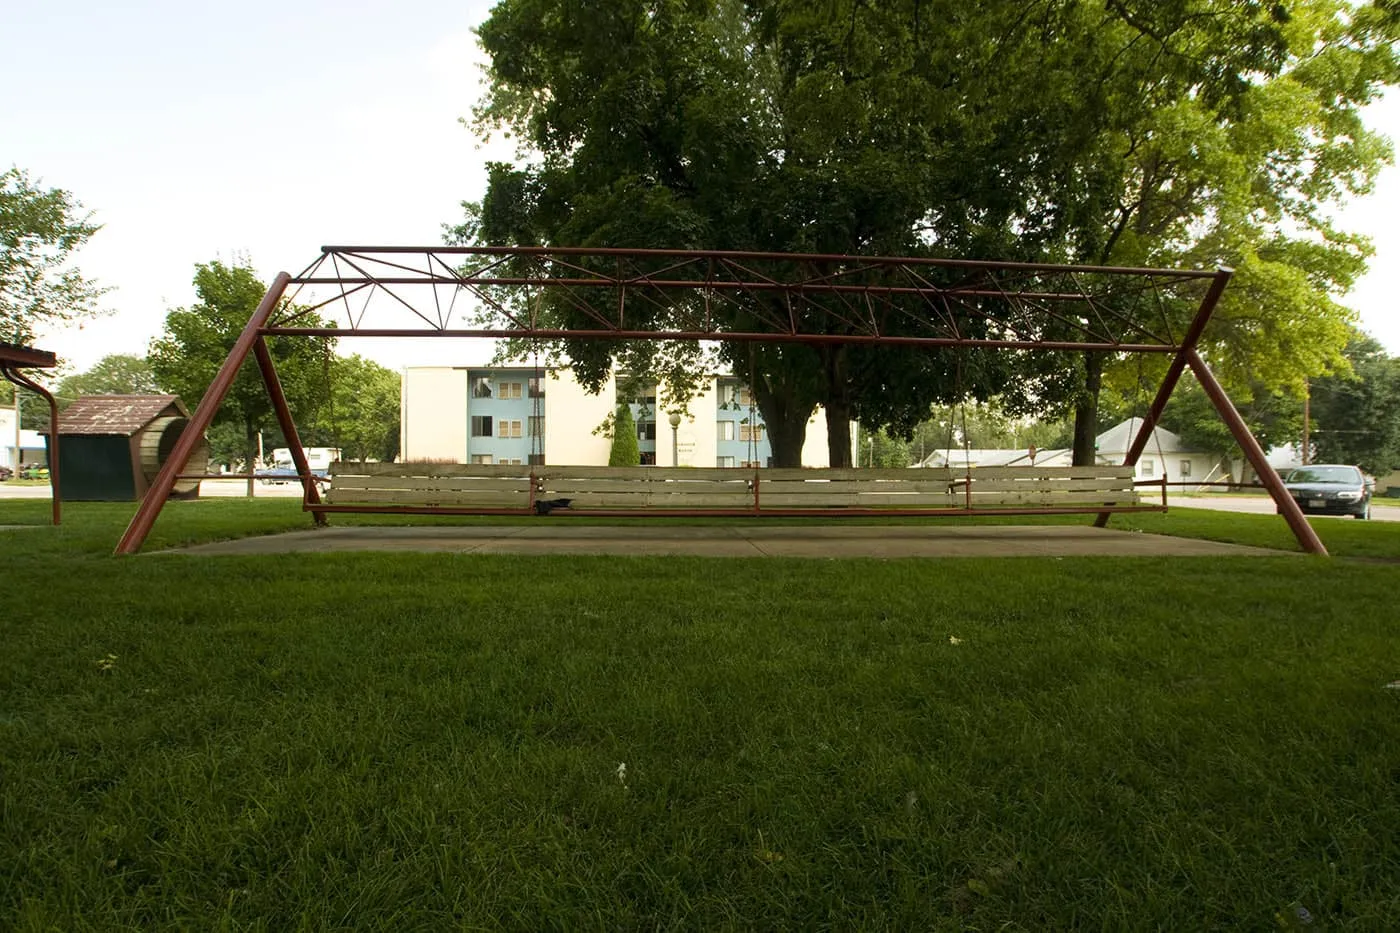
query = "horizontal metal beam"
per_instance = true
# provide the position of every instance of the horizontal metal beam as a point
(720, 254)
(723, 336)
(602, 281)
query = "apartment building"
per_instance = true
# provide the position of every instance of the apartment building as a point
(520, 415)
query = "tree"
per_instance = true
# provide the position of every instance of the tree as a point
(197, 340)
(1356, 417)
(362, 416)
(1135, 132)
(1228, 133)
(1274, 418)
(625, 450)
(39, 231)
(792, 127)
(33, 410)
(114, 374)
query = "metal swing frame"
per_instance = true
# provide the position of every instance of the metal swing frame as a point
(813, 299)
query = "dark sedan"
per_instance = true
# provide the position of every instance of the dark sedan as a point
(1331, 489)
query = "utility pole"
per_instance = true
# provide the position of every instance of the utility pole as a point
(18, 441)
(1307, 399)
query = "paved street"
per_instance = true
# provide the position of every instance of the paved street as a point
(1381, 509)
(211, 488)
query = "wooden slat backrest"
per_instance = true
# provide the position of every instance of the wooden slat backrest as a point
(647, 487)
(430, 484)
(677, 488)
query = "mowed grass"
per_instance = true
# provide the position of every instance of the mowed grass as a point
(431, 741)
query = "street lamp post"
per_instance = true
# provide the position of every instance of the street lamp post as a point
(675, 420)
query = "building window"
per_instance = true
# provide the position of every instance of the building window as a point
(724, 461)
(536, 387)
(750, 432)
(751, 464)
(726, 430)
(481, 387)
(506, 428)
(645, 397)
(511, 389)
(481, 458)
(536, 459)
(537, 425)
(481, 425)
(1185, 468)
(648, 458)
(646, 430)
(1149, 467)
(733, 395)
(511, 462)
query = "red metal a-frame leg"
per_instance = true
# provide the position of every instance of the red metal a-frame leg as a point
(310, 494)
(1187, 355)
(1288, 508)
(149, 509)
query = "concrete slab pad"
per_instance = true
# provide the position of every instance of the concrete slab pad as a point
(808, 541)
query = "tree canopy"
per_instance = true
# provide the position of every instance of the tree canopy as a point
(361, 415)
(1356, 415)
(197, 340)
(114, 374)
(39, 231)
(1191, 132)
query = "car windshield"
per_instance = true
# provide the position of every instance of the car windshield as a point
(1326, 474)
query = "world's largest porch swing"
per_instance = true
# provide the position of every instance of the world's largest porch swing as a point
(829, 299)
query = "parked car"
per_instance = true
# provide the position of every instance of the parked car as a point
(1331, 489)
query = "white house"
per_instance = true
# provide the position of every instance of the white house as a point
(1164, 454)
(519, 414)
(31, 443)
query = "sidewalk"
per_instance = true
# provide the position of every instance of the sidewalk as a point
(810, 541)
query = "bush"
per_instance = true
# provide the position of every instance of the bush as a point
(625, 450)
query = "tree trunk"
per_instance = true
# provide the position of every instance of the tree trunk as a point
(786, 421)
(1086, 412)
(838, 408)
(250, 453)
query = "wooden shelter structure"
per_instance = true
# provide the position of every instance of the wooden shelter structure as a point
(13, 359)
(115, 445)
(730, 296)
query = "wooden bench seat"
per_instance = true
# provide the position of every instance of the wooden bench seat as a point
(481, 488)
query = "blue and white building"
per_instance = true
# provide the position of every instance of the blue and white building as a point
(520, 415)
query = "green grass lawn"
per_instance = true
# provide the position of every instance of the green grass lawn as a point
(432, 741)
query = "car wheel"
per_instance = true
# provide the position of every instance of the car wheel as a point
(1364, 514)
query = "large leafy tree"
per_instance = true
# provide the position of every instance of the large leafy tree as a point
(361, 416)
(197, 340)
(761, 126)
(1193, 132)
(1356, 416)
(114, 374)
(39, 231)
(1228, 132)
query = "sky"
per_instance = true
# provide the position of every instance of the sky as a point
(262, 131)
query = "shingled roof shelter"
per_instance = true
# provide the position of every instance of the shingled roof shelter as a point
(114, 445)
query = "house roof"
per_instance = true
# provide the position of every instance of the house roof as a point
(957, 456)
(1117, 438)
(122, 415)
